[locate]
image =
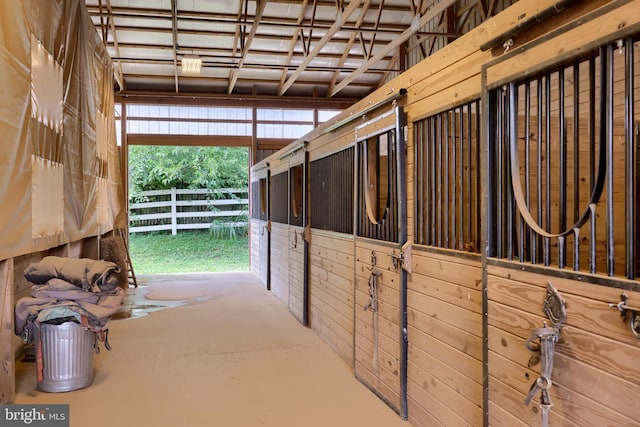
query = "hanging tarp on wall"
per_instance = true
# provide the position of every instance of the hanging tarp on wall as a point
(60, 178)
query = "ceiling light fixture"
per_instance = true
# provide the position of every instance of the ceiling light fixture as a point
(191, 64)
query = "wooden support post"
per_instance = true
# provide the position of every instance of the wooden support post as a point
(7, 373)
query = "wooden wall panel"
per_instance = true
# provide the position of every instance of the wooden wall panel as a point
(280, 261)
(254, 239)
(331, 285)
(296, 271)
(7, 373)
(377, 350)
(594, 356)
(445, 339)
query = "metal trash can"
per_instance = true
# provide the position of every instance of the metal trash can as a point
(66, 357)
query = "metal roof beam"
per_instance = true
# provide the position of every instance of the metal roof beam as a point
(415, 26)
(342, 17)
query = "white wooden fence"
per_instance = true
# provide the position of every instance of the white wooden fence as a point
(185, 209)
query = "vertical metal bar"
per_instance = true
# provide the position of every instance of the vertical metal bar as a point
(424, 195)
(609, 131)
(500, 173)
(630, 190)
(461, 176)
(537, 254)
(465, 172)
(401, 196)
(525, 233)
(592, 237)
(446, 170)
(576, 162)
(562, 142)
(489, 248)
(510, 132)
(547, 179)
(576, 249)
(418, 189)
(434, 184)
(268, 231)
(439, 167)
(476, 208)
(592, 156)
(305, 257)
(455, 177)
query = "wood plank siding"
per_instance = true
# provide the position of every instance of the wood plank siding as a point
(455, 306)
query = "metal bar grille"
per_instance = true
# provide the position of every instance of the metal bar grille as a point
(279, 194)
(447, 181)
(255, 199)
(387, 227)
(331, 186)
(296, 196)
(574, 115)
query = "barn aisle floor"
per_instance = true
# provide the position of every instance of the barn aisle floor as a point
(223, 352)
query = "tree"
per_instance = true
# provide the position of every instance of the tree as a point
(160, 168)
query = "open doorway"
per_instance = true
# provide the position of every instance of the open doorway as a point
(188, 209)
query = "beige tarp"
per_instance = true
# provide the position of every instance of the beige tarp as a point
(59, 170)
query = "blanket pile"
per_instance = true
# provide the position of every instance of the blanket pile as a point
(69, 289)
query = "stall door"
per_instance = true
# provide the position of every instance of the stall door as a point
(298, 244)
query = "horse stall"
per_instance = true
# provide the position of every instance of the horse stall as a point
(561, 226)
(259, 224)
(287, 219)
(472, 226)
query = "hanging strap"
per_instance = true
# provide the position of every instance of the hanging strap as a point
(372, 305)
(547, 336)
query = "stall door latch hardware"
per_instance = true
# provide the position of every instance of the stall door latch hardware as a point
(627, 311)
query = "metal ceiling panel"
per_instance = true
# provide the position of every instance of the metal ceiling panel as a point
(289, 48)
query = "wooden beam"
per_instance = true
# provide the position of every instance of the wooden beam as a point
(294, 39)
(249, 101)
(272, 143)
(189, 140)
(8, 372)
(345, 53)
(118, 75)
(414, 28)
(341, 19)
(235, 72)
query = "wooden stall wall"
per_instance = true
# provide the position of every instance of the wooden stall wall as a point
(331, 285)
(297, 238)
(595, 377)
(259, 223)
(377, 332)
(378, 297)
(279, 203)
(331, 241)
(469, 315)
(444, 292)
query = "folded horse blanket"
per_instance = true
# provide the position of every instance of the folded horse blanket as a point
(88, 274)
(59, 299)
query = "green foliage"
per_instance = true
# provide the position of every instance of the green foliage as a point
(228, 228)
(161, 168)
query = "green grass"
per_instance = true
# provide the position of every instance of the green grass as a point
(187, 252)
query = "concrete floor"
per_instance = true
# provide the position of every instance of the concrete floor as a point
(225, 352)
